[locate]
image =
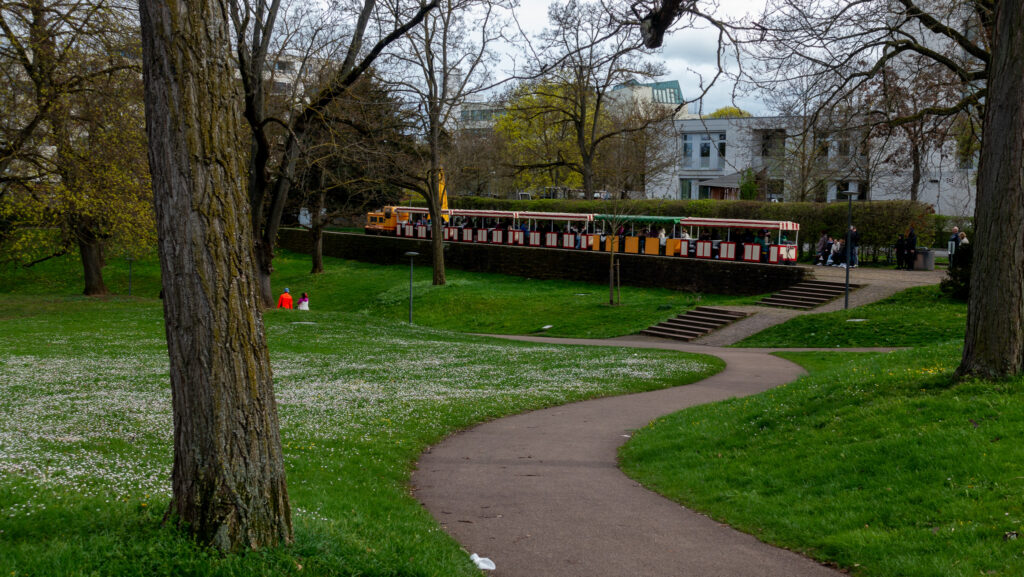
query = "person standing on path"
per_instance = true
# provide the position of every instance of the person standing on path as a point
(901, 252)
(854, 240)
(911, 249)
(285, 300)
(819, 249)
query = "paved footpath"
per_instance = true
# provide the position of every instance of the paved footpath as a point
(542, 496)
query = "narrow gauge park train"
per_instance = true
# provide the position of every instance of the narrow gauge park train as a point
(692, 237)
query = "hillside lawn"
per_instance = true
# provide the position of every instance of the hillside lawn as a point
(879, 463)
(85, 442)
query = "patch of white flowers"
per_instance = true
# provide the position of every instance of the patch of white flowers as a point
(102, 423)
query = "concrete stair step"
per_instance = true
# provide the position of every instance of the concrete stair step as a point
(814, 290)
(666, 334)
(786, 304)
(803, 297)
(723, 312)
(693, 324)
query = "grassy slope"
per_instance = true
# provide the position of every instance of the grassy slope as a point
(470, 302)
(918, 316)
(875, 462)
(85, 444)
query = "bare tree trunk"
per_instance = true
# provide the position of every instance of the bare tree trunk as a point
(994, 343)
(91, 250)
(588, 176)
(437, 238)
(228, 478)
(317, 230)
(915, 159)
(611, 274)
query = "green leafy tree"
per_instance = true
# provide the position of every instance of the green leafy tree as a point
(749, 188)
(729, 112)
(73, 175)
(539, 144)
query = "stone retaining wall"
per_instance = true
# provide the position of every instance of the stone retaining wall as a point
(684, 274)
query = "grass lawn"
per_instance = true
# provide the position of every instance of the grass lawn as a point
(85, 439)
(875, 462)
(918, 316)
(470, 302)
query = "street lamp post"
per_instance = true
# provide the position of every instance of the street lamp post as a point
(412, 257)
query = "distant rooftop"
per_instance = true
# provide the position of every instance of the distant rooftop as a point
(667, 92)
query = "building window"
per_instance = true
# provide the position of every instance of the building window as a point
(705, 151)
(685, 189)
(773, 143)
(705, 192)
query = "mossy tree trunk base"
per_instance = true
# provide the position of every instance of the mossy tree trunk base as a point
(228, 478)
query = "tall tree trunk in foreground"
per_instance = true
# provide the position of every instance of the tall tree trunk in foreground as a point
(994, 343)
(228, 477)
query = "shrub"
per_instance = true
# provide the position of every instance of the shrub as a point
(957, 283)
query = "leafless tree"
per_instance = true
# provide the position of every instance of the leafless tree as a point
(445, 60)
(975, 42)
(274, 156)
(586, 56)
(634, 158)
(347, 166)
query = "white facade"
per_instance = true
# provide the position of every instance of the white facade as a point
(710, 149)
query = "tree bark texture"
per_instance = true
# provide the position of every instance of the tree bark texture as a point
(228, 477)
(436, 229)
(91, 250)
(318, 221)
(994, 343)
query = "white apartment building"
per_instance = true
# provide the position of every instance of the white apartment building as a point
(792, 162)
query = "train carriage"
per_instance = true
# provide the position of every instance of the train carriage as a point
(687, 237)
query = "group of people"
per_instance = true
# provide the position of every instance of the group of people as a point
(832, 251)
(285, 301)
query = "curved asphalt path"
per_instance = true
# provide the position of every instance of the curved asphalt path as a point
(542, 496)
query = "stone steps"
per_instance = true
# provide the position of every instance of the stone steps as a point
(693, 324)
(806, 295)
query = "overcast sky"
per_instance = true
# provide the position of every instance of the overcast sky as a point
(687, 54)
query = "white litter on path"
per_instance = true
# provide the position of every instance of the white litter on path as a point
(482, 562)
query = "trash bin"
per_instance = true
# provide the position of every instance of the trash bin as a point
(925, 260)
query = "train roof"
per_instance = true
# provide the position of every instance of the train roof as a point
(740, 223)
(634, 218)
